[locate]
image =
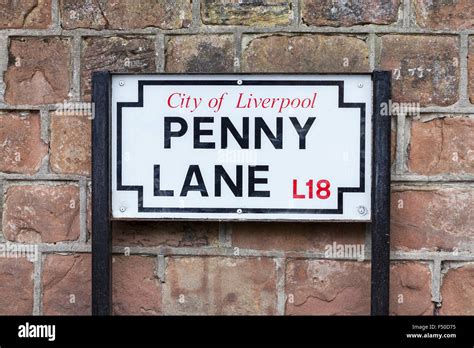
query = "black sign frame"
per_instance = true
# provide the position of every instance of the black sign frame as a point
(101, 194)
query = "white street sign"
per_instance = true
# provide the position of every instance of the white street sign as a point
(242, 147)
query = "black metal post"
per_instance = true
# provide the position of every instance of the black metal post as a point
(101, 225)
(381, 196)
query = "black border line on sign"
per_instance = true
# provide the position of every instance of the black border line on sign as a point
(341, 104)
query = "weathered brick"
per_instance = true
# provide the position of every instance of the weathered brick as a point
(66, 283)
(306, 53)
(457, 291)
(172, 233)
(434, 220)
(200, 53)
(326, 287)
(26, 14)
(16, 286)
(442, 146)
(116, 54)
(70, 144)
(38, 71)
(425, 68)
(470, 69)
(253, 12)
(295, 236)
(125, 14)
(348, 13)
(21, 147)
(41, 213)
(136, 290)
(455, 15)
(410, 289)
(219, 285)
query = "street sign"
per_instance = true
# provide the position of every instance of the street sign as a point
(241, 147)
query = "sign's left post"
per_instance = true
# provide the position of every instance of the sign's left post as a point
(101, 223)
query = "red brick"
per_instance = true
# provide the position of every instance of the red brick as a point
(38, 71)
(21, 147)
(306, 53)
(66, 283)
(200, 53)
(25, 14)
(136, 290)
(326, 287)
(349, 13)
(290, 236)
(254, 13)
(41, 213)
(70, 145)
(125, 14)
(455, 15)
(116, 54)
(16, 286)
(410, 289)
(170, 233)
(457, 290)
(442, 146)
(433, 219)
(220, 285)
(425, 68)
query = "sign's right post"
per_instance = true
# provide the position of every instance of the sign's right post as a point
(380, 228)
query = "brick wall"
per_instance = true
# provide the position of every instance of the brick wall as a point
(48, 49)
